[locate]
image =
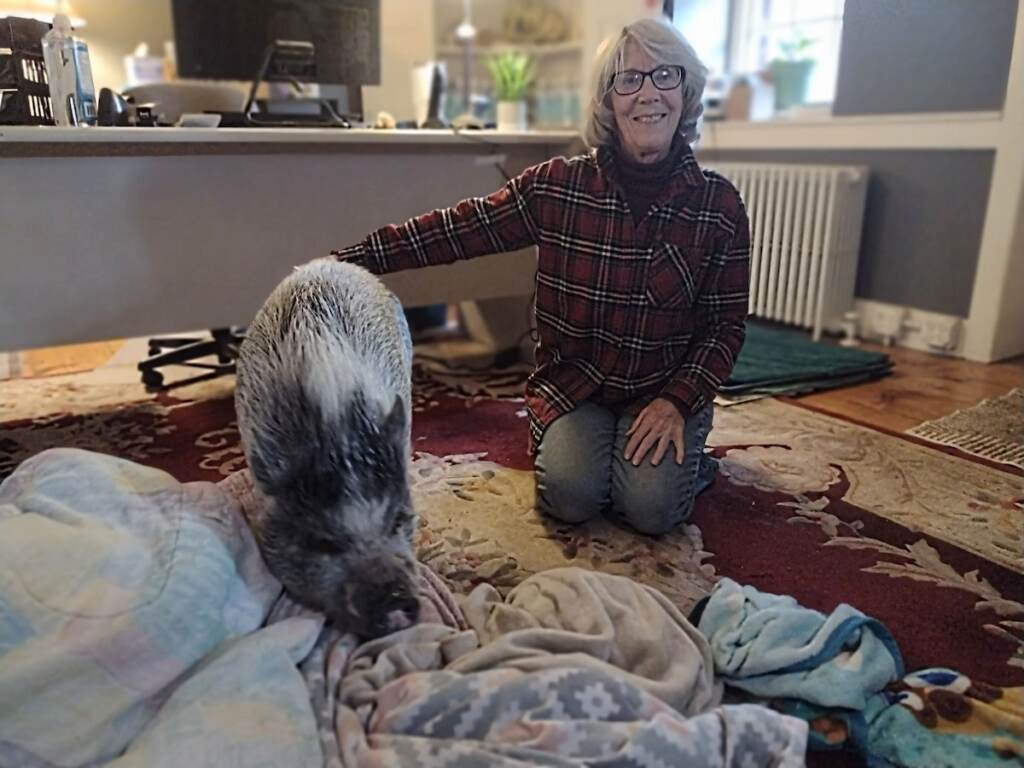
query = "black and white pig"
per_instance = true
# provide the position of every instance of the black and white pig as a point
(323, 403)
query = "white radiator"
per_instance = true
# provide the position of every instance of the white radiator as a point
(805, 224)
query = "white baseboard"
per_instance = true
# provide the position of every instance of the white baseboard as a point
(919, 329)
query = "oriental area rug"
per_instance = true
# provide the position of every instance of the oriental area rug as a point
(927, 539)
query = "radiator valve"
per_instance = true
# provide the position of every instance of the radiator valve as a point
(942, 333)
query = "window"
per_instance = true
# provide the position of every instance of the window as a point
(761, 29)
(705, 23)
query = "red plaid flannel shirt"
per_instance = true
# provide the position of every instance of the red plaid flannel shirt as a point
(625, 312)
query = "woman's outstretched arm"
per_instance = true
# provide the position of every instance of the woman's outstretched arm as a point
(503, 221)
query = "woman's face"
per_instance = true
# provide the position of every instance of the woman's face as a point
(647, 119)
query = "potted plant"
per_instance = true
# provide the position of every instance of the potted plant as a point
(791, 73)
(512, 73)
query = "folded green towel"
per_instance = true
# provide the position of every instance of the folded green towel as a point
(775, 361)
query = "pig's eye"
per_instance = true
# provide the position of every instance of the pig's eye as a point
(324, 546)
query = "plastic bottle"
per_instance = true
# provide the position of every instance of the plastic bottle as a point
(542, 104)
(549, 98)
(575, 115)
(552, 104)
(565, 94)
(72, 94)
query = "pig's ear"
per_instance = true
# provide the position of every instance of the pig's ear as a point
(395, 425)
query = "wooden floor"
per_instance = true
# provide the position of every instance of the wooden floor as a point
(922, 386)
(55, 361)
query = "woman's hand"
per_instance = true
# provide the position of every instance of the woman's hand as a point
(658, 424)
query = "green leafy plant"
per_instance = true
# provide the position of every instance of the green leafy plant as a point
(512, 72)
(791, 74)
(795, 47)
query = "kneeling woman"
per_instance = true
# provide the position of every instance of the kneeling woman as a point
(642, 287)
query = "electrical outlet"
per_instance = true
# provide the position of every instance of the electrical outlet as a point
(941, 332)
(887, 322)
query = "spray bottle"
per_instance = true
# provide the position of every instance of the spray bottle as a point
(72, 95)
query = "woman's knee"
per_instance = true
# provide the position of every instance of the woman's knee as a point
(654, 508)
(569, 487)
(655, 499)
(571, 499)
(573, 466)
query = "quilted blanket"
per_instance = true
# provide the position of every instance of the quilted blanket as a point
(131, 624)
(139, 626)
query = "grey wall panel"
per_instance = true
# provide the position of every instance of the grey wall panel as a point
(147, 245)
(902, 56)
(922, 223)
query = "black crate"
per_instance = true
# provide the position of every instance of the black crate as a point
(24, 88)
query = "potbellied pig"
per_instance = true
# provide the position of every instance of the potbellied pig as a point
(323, 402)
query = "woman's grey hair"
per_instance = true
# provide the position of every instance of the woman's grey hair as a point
(666, 45)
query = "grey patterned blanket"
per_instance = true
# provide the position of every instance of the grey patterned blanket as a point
(574, 668)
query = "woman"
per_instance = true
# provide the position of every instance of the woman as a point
(642, 284)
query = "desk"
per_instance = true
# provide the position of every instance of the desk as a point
(116, 232)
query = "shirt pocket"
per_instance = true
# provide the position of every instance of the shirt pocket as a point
(674, 275)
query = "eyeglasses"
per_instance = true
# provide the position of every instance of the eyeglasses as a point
(665, 78)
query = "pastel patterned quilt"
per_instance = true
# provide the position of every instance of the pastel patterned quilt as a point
(139, 626)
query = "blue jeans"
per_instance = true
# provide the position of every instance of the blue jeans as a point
(581, 471)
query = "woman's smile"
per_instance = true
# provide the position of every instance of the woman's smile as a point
(650, 119)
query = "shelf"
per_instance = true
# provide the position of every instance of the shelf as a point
(537, 49)
(49, 141)
(948, 130)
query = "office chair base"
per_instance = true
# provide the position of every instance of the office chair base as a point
(223, 345)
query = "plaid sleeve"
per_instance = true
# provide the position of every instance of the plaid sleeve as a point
(723, 307)
(502, 221)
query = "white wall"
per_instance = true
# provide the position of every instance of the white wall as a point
(113, 29)
(407, 39)
(995, 325)
(1008, 338)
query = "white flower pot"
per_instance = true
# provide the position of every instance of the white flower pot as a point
(512, 116)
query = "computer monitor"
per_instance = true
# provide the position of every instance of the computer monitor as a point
(226, 39)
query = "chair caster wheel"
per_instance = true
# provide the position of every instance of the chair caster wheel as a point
(152, 379)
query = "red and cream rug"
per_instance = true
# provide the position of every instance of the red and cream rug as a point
(926, 539)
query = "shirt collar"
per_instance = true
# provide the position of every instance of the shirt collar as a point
(686, 173)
